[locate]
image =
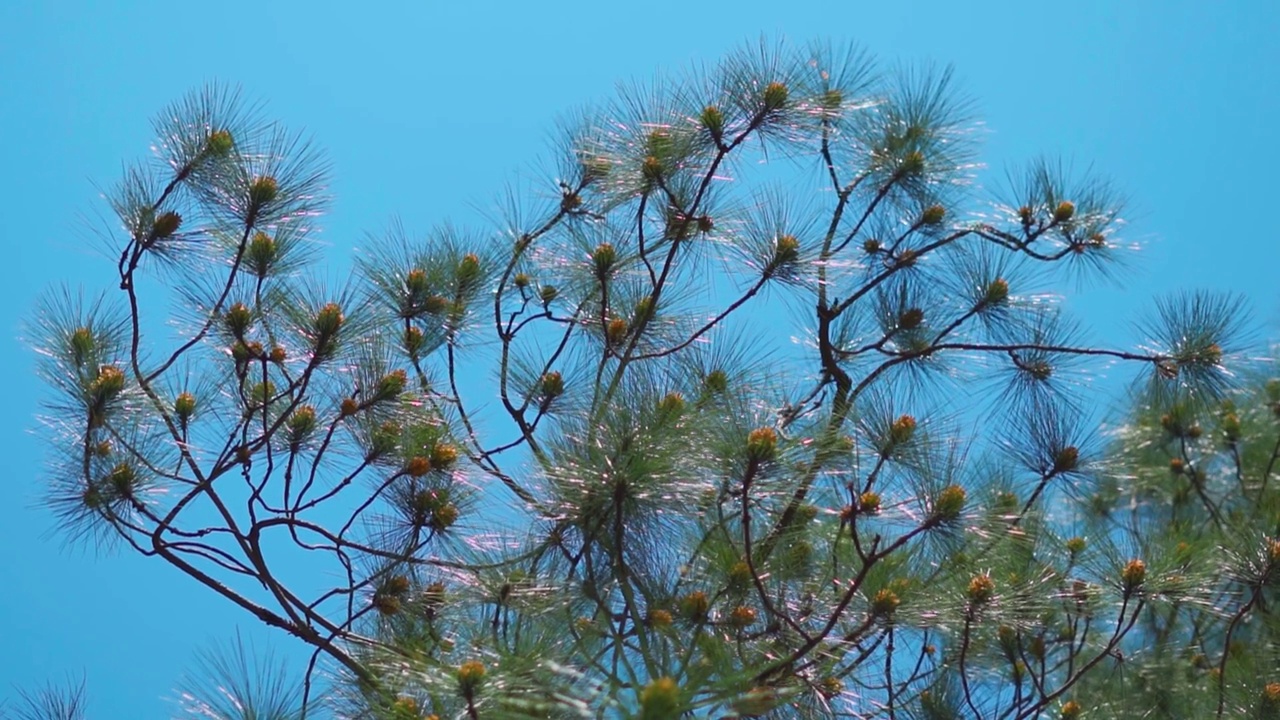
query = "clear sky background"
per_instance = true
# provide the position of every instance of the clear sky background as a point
(427, 107)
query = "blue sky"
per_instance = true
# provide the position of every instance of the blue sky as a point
(427, 108)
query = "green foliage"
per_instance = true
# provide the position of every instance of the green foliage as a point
(51, 702)
(1198, 501)
(664, 506)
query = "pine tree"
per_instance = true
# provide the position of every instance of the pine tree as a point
(1191, 489)
(576, 464)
